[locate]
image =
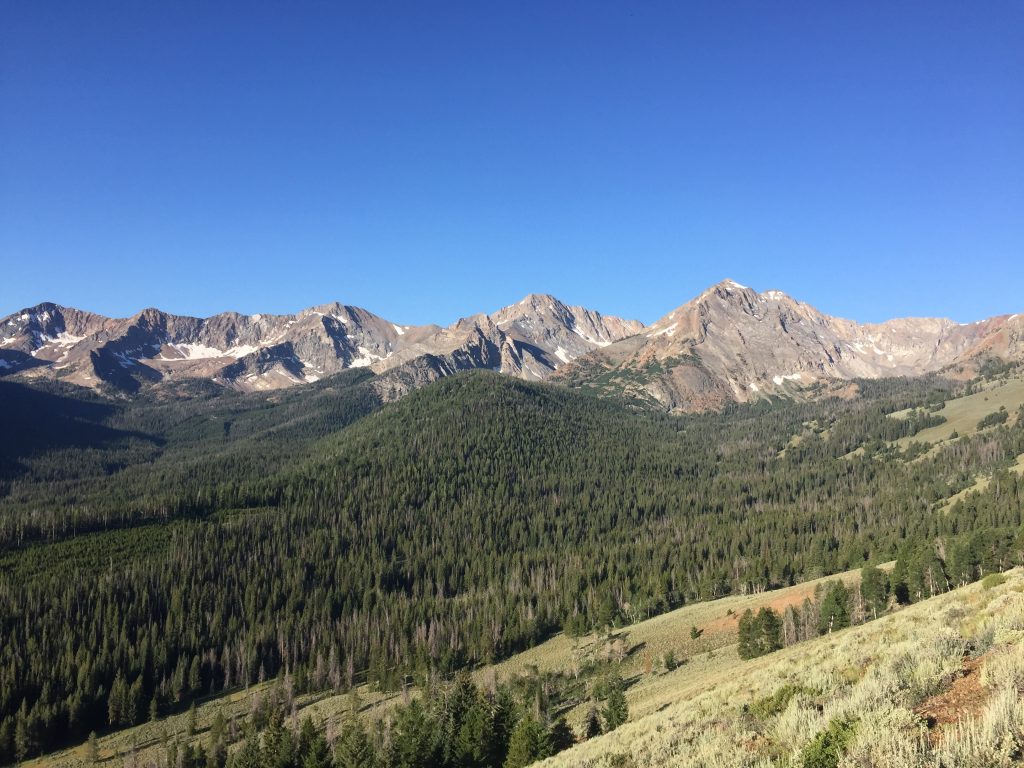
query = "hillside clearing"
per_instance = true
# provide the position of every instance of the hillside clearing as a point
(897, 682)
(963, 413)
(706, 661)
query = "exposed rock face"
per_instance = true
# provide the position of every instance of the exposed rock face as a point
(250, 352)
(733, 344)
(730, 344)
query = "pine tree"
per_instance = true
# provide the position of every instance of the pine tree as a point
(318, 755)
(217, 750)
(92, 750)
(503, 722)
(474, 740)
(873, 590)
(354, 749)
(457, 702)
(561, 736)
(835, 608)
(899, 578)
(133, 703)
(592, 725)
(307, 733)
(769, 631)
(616, 710)
(117, 701)
(278, 743)
(192, 724)
(414, 740)
(251, 754)
(7, 740)
(194, 680)
(748, 647)
(530, 742)
(607, 612)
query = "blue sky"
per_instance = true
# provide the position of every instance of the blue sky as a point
(430, 160)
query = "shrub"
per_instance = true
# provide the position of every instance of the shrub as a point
(994, 418)
(993, 580)
(776, 703)
(829, 746)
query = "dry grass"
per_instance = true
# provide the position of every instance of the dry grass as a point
(709, 660)
(964, 413)
(876, 674)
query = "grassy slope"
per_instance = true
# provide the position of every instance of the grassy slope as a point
(963, 413)
(876, 674)
(709, 660)
(880, 673)
(962, 416)
(707, 657)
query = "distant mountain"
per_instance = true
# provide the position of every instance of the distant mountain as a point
(257, 352)
(730, 344)
(733, 344)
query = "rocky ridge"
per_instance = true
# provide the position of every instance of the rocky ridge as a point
(734, 344)
(530, 340)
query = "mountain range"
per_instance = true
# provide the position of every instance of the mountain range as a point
(729, 344)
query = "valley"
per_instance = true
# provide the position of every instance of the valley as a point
(481, 523)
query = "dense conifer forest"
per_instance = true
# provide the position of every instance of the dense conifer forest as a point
(178, 544)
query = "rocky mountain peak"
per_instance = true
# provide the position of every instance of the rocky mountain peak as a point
(733, 344)
(529, 339)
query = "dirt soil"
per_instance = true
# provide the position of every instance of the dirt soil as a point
(965, 696)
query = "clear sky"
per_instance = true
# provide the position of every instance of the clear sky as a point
(430, 160)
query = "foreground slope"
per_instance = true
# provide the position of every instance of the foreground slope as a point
(704, 660)
(937, 683)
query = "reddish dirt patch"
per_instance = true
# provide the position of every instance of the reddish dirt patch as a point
(778, 604)
(965, 696)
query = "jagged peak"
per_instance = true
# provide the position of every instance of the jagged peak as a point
(729, 284)
(535, 301)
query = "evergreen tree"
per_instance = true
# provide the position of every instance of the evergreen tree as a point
(475, 738)
(117, 702)
(217, 749)
(748, 645)
(769, 631)
(530, 742)
(354, 749)
(899, 578)
(616, 710)
(503, 722)
(561, 736)
(873, 590)
(414, 739)
(835, 608)
(307, 733)
(607, 612)
(92, 750)
(192, 724)
(251, 754)
(278, 743)
(133, 703)
(592, 725)
(460, 698)
(318, 755)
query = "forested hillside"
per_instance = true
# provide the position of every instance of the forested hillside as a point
(160, 550)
